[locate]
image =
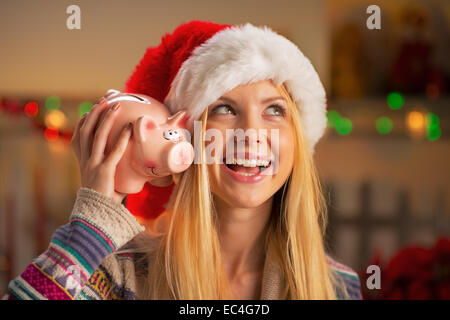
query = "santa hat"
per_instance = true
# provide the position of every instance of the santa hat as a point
(201, 60)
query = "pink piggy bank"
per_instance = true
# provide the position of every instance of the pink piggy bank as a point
(158, 146)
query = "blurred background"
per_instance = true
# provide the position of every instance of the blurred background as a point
(384, 160)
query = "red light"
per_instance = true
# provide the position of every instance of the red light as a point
(51, 134)
(31, 109)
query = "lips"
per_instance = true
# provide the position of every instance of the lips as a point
(248, 167)
(239, 177)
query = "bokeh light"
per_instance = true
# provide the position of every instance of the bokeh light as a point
(51, 134)
(344, 126)
(432, 124)
(333, 116)
(432, 91)
(84, 107)
(415, 121)
(55, 119)
(432, 120)
(52, 103)
(395, 100)
(384, 125)
(434, 134)
(31, 109)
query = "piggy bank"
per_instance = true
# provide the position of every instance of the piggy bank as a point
(158, 146)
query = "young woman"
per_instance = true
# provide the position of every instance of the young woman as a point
(241, 224)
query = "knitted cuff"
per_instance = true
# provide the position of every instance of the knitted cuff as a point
(105, 214)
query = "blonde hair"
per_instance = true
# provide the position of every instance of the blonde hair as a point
(187, 264)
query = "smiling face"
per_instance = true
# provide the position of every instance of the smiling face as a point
(246, 176)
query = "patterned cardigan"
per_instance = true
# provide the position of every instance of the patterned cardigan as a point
(81, 262)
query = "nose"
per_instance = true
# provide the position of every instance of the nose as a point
(248, 139)
(255, 138)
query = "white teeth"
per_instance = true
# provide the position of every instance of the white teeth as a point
(245, 174)
(251, 163)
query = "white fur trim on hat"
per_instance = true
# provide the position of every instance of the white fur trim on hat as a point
(246, 54)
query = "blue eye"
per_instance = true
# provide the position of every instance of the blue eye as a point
(275, 110)
(223, 109)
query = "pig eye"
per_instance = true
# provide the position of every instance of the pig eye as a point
(173, 135)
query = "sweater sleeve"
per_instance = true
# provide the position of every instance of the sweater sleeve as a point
(97, 227)
(348, 285)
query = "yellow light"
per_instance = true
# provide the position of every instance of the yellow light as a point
(415, 121)
(56, 119)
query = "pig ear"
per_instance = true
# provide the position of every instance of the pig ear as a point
(111, 93)
(179, 119)
(142, 126)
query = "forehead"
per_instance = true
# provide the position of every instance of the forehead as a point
(260, 89)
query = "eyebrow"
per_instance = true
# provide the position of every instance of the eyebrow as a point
(263, 101)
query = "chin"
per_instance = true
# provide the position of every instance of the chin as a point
(245, 199)
(243, 195)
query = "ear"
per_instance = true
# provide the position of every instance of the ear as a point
(111, 93)
(142, 126)
(179, 119)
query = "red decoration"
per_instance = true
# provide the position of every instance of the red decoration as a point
(413, 273)
(149, 203)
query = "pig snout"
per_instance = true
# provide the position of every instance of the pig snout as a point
(180, 157)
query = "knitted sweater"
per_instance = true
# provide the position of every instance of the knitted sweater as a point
(81, 263)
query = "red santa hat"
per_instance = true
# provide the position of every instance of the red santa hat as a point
(201, 60)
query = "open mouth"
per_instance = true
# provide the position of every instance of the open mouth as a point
(247, 167)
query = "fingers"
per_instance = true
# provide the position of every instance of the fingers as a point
(102, 132)
(87, 130)
(120, 147)
(76, 137)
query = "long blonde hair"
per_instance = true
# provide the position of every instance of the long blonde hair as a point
(187, 263)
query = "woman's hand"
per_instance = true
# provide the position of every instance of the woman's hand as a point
(89, 141)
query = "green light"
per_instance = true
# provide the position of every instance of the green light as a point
(343, 126)
(434, 134)
(431, 120)
(84, 107)
(333, 116)
(52, 103)
(384, 125)
(395, 100)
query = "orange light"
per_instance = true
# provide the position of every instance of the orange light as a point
(415, 121)
(55, 119)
